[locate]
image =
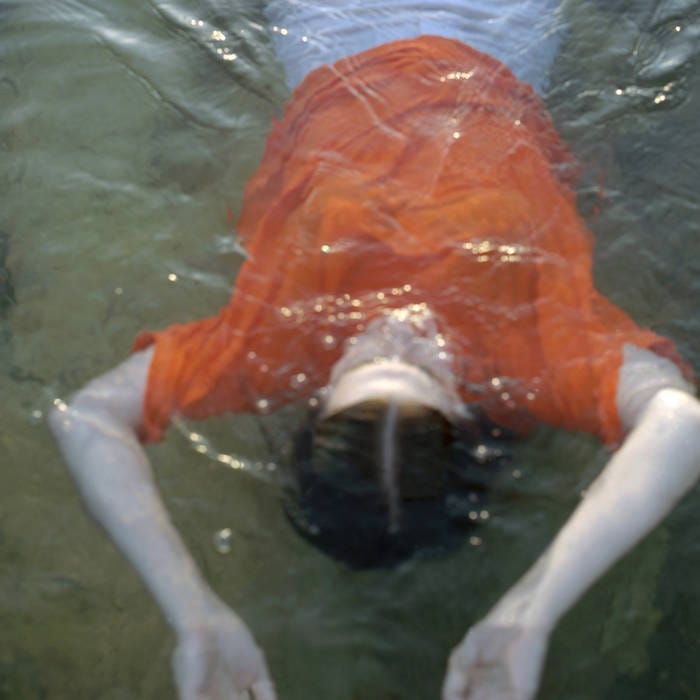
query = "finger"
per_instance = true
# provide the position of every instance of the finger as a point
(264, 690)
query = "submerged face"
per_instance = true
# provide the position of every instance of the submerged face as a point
(374, 482)
(359, 471)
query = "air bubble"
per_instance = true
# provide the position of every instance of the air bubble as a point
(262, 405)
(298, 380)
(329, 342)
(223, 540)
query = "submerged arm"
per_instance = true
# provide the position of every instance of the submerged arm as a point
(216, 656)
(501, 657)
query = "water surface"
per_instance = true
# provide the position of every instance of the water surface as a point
(127, 131)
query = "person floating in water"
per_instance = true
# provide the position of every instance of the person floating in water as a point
(414, 258)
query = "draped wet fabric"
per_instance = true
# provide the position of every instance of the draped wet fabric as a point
(416, 177)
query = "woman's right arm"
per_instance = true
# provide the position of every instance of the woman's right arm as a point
(216, 657)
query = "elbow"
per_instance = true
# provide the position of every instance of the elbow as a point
(72, 435)
(72, 422)
(81, 431)
(675, 410)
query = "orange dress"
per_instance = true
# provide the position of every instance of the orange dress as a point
(420, 172)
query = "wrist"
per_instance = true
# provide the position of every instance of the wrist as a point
(194, 610)
(524, 605)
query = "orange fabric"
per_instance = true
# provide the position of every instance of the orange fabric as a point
(417, 172)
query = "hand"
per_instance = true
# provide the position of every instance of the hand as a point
(217, 659)
(496, 662)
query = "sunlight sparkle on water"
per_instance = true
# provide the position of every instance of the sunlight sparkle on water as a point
(229, 461)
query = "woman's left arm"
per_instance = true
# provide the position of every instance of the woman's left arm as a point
(501, 657)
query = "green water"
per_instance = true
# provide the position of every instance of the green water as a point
(125, 138)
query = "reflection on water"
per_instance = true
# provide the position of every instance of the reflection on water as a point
(127, 131)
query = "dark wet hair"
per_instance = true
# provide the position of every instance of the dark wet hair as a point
(378, 481)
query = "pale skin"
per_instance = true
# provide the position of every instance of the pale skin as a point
(501, 657)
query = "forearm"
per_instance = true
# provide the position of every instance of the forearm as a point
(115, 480)
(658, 464)
(96, 434)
